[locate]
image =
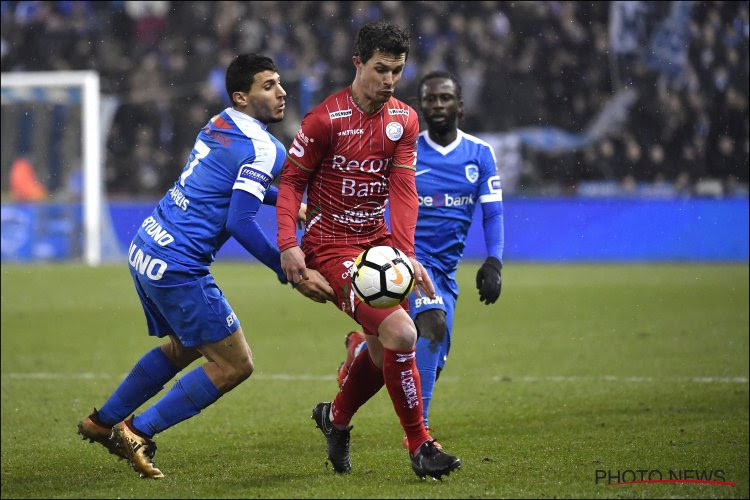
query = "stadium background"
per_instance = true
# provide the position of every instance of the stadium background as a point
(640, 101)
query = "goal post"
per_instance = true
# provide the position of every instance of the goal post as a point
(20, 86)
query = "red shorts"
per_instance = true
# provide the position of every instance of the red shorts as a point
(337, 267)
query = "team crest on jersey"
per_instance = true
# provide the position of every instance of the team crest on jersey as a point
(472, 172)
(394, 131)
(340, 114)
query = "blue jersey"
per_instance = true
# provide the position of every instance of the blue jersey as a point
(451, 181)
(233, 151)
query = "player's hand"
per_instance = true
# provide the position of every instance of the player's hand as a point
(293, 264)
(302, 216)
(422, 280)
(316, 288)
(489, 281)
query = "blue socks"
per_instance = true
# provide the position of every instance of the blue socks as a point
(146, 379)
(428, 356)
(187, 398)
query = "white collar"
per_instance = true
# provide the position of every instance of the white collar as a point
(244, 120)
(443, 150)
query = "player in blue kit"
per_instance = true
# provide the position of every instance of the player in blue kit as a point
(227, 177)
(455, 172)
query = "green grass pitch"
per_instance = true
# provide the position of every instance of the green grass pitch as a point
(577, 369)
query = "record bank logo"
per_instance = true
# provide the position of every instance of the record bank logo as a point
(620, 477)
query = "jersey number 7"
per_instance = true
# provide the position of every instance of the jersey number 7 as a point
(201, 151)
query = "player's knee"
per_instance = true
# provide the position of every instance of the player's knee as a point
(234, 373)
(405, 335)
(179, 355)
(432, 324)
(244, 369)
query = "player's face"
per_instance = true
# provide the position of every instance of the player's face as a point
(440, 105)
(379, 75)
(265, 101)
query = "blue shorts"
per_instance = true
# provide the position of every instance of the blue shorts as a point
(191, 307)
(446, 294)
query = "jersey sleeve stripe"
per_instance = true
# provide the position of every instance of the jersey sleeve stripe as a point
(408, 167)
(297, 164)
(486, 198)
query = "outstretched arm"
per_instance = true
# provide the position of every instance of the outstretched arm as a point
(241, 224)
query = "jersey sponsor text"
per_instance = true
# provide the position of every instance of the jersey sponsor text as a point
(158, 233)
(445, 200)
(340, 114)
(144, 264)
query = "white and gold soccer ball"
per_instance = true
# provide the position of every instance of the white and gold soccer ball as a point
(383, 276)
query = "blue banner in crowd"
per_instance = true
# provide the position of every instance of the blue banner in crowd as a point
(541, 229)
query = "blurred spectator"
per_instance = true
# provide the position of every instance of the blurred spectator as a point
(536, 63)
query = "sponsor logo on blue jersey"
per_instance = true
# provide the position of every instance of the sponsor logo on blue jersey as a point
(145, 264)
(158, 233)
(425, 301)
(445, 200)
(251, 174)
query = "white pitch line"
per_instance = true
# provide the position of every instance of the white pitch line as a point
(452, 378)
(614, 378)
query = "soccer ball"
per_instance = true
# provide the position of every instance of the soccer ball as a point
(383, 276)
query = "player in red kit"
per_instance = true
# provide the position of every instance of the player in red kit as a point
(354, 152)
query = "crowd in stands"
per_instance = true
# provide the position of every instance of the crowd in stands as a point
(532, 63)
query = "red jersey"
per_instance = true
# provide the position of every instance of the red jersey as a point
(351, 163)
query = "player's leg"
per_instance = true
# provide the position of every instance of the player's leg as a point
(205, 322)
(354, 342)
(432, 328)
(146, 378)
(435, 323)
(363, 379)
(430, 319)
(229, 363)
(392, 351)
(397, 334)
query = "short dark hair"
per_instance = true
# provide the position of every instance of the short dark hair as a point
(383, 36)
(439, 74)
(241, 72)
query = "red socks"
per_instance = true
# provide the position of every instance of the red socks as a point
(363, 382)
(402, 380)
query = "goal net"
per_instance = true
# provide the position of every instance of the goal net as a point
(53, 201)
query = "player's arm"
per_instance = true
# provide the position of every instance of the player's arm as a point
(405, 204)
(272, 194)
(291, 189)
(241, 224)
(303, 157)
(489, 277)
